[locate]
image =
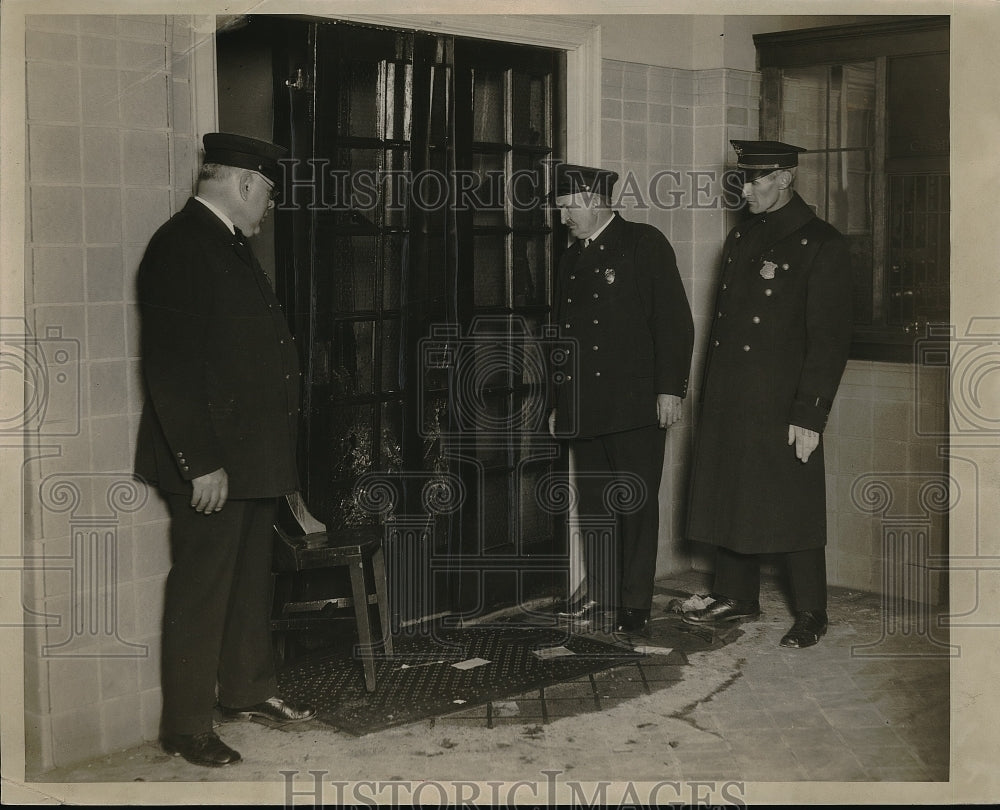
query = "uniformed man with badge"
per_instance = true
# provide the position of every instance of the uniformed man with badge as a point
(777, 350)
(619, 299)
(218, 439)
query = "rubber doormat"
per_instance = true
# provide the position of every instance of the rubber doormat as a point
(421, 680)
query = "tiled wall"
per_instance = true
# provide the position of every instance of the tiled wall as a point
(887, 422)
(111, 154)
(656, 120)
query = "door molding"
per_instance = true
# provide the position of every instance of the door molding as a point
(580, 40)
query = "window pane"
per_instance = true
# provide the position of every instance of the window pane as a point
(854, 101)
(918, 105)
(392, 355)
(803, 106)
(395, 245)
(849, 180)
(811, 181)
(487, 106)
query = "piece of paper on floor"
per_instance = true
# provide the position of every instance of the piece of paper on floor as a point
(471, 663)
(649, 649)
(553, 652)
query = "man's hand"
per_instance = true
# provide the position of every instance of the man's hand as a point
(552, 423)
(210, 491)
(805, 441)
(668, 409)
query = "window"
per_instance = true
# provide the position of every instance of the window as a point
(869, 103)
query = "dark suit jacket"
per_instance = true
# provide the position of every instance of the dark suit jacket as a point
(622, 303)
(220, 364)
(779, 344)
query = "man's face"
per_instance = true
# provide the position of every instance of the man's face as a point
(580, 213)
(766, 193)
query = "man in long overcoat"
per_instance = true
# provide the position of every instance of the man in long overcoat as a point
(778, 347)
(620, 299)
(218, 438)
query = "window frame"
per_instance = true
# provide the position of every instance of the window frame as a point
(877, 42)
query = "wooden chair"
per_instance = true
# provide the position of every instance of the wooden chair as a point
(304, 544)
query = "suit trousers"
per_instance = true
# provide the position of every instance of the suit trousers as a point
(737, 576)
(618, 484)
(217, 611)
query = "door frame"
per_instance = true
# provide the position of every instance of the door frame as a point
(579, 39)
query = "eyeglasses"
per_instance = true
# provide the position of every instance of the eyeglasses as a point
(272, 188)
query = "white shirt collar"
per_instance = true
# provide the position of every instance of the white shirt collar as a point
(600, 230)
(226, 220)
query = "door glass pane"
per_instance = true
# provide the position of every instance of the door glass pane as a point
(526, 190)
(352, 359)
(399, 98)
(490, 267)
(488, 106)
(394, 188)
(529, 116)
(351, 273)
(361, 100)
(811, 181)
(391, 355)
(395, 245)
(489, 199)
(529, 264)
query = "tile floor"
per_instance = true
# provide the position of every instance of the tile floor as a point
(864, 705)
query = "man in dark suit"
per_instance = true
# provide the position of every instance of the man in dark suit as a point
(217, 437)
(778, 348)
(620, 298)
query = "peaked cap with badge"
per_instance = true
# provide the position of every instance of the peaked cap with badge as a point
(243, 152)
(758, 158)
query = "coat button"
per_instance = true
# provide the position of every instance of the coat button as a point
(186, 468)
(596, 296)
(569, 300)
(746, 348)
(596, 321)
(597, 270)
(572, 278)
(715, 343)
(767, 291)
(737, 234)
(784, 266)
(729, 260)
(756, 319)
(718, 314)
(180, 454)
(805, 241)
(288, 376)
(597, 374)
(600, 247)
(595, 348)
(725, 286)
(567, 326)
(569, 376)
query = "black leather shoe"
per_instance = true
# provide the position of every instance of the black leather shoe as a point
(632, 620)
(200, 749)
(809, 626)
(587, 609)
(274, 709)
(722, 610)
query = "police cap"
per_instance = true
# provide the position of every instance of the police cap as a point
(245, 153)
(757, 158)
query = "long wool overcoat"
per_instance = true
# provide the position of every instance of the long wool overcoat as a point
(779, 343)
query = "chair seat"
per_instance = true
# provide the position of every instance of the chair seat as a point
(324, 549)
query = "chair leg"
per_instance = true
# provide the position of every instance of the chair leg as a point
(378, 565)
(357, 569)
